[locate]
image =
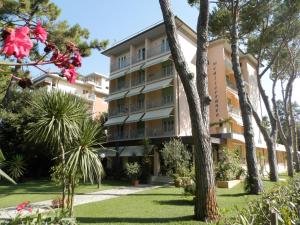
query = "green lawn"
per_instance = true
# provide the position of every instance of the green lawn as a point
(35, 191)
(165, 205)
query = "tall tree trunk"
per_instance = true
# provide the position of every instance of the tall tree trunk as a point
(63, 178)
(253, 174)
(205, 199)
(294, 135)
(270, 140)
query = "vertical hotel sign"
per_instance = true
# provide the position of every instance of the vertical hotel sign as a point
(216, 100)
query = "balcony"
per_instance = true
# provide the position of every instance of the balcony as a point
(118, 112)
(137, 134)
(137, 108)
(152, 52)
(160, 104)
(118, 88)
(158, 75)
(136, 59)
(117, 137)
(160, 132)
(137, 82)
(235, 114)
(117, 66)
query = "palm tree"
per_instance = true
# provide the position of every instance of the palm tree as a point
(58, 115)
(83, 156)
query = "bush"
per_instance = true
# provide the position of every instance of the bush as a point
(177, 159)
(133, 170)
(284, 199)
(229, 167)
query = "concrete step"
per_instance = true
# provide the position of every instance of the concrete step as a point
(161, 180)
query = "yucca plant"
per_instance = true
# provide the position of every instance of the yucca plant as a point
(57, 122)
(2, 164)
(16, 167)
(83, 155)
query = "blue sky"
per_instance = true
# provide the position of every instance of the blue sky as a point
(117, 19)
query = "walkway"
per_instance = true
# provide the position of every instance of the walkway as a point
(11, 212)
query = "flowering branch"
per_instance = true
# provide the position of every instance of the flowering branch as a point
(18, 42)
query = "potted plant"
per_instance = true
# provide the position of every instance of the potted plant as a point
(229, 169)
(133, 171)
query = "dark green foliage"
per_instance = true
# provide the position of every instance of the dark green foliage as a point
(284, 200)
(133, 170)
(14, 122)
(229, 167)
(16, 167)
(177, 159)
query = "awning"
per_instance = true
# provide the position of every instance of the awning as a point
(135, 91)
(138, 67)
(157, 114)
(133, 118)
(116, 96)
(115, 120)
(158, 60)
(117, 75)
(157, 85)
(132, 151)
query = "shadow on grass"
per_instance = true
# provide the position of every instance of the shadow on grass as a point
(234, 195)
(131, 220)
(179, 202)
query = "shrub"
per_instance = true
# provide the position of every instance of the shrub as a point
(177, 159)
(133, 170)
(284, 199)
(229, 167)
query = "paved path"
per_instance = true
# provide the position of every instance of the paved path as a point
(98, 196)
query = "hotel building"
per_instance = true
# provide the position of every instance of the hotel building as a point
(147, 100)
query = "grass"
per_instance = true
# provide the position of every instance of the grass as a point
(35, 191)
(166, 205)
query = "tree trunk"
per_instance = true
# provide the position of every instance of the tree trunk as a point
(253, 174)
(270, 140)
(205, 199)
(294, 136)
(63, 178)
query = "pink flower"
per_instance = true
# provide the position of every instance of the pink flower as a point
(40, 33)
(60, 60)
(22, 206)
(77, 59)
(70, 74)
(17, 43)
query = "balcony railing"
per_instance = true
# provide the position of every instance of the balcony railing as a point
(120, 87)
(137, 108)
(137, 82)
(114, 137)
(234, 110)
(159, 132)
(118, 112)
(157, 51)
(117, 66)
(137, 134)
(159, 104)
(231, 85)
(158, 75)
(137, 58)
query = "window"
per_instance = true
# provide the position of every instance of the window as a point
(122, 61)
(121, 83)
(167, 69)
(164, 46)
(140, 101)
(85, 92)
(141, 127)
(99, 83)
(167, 94)
(168, 125)
(120, 131)
(141, 54)
(121, 105)
(141, 76)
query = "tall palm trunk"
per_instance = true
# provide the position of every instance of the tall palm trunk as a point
(198, 101)
(63, 175)
(254, 179)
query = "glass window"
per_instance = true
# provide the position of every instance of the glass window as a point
(141, 54)
(167, 69)
(168, 125)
